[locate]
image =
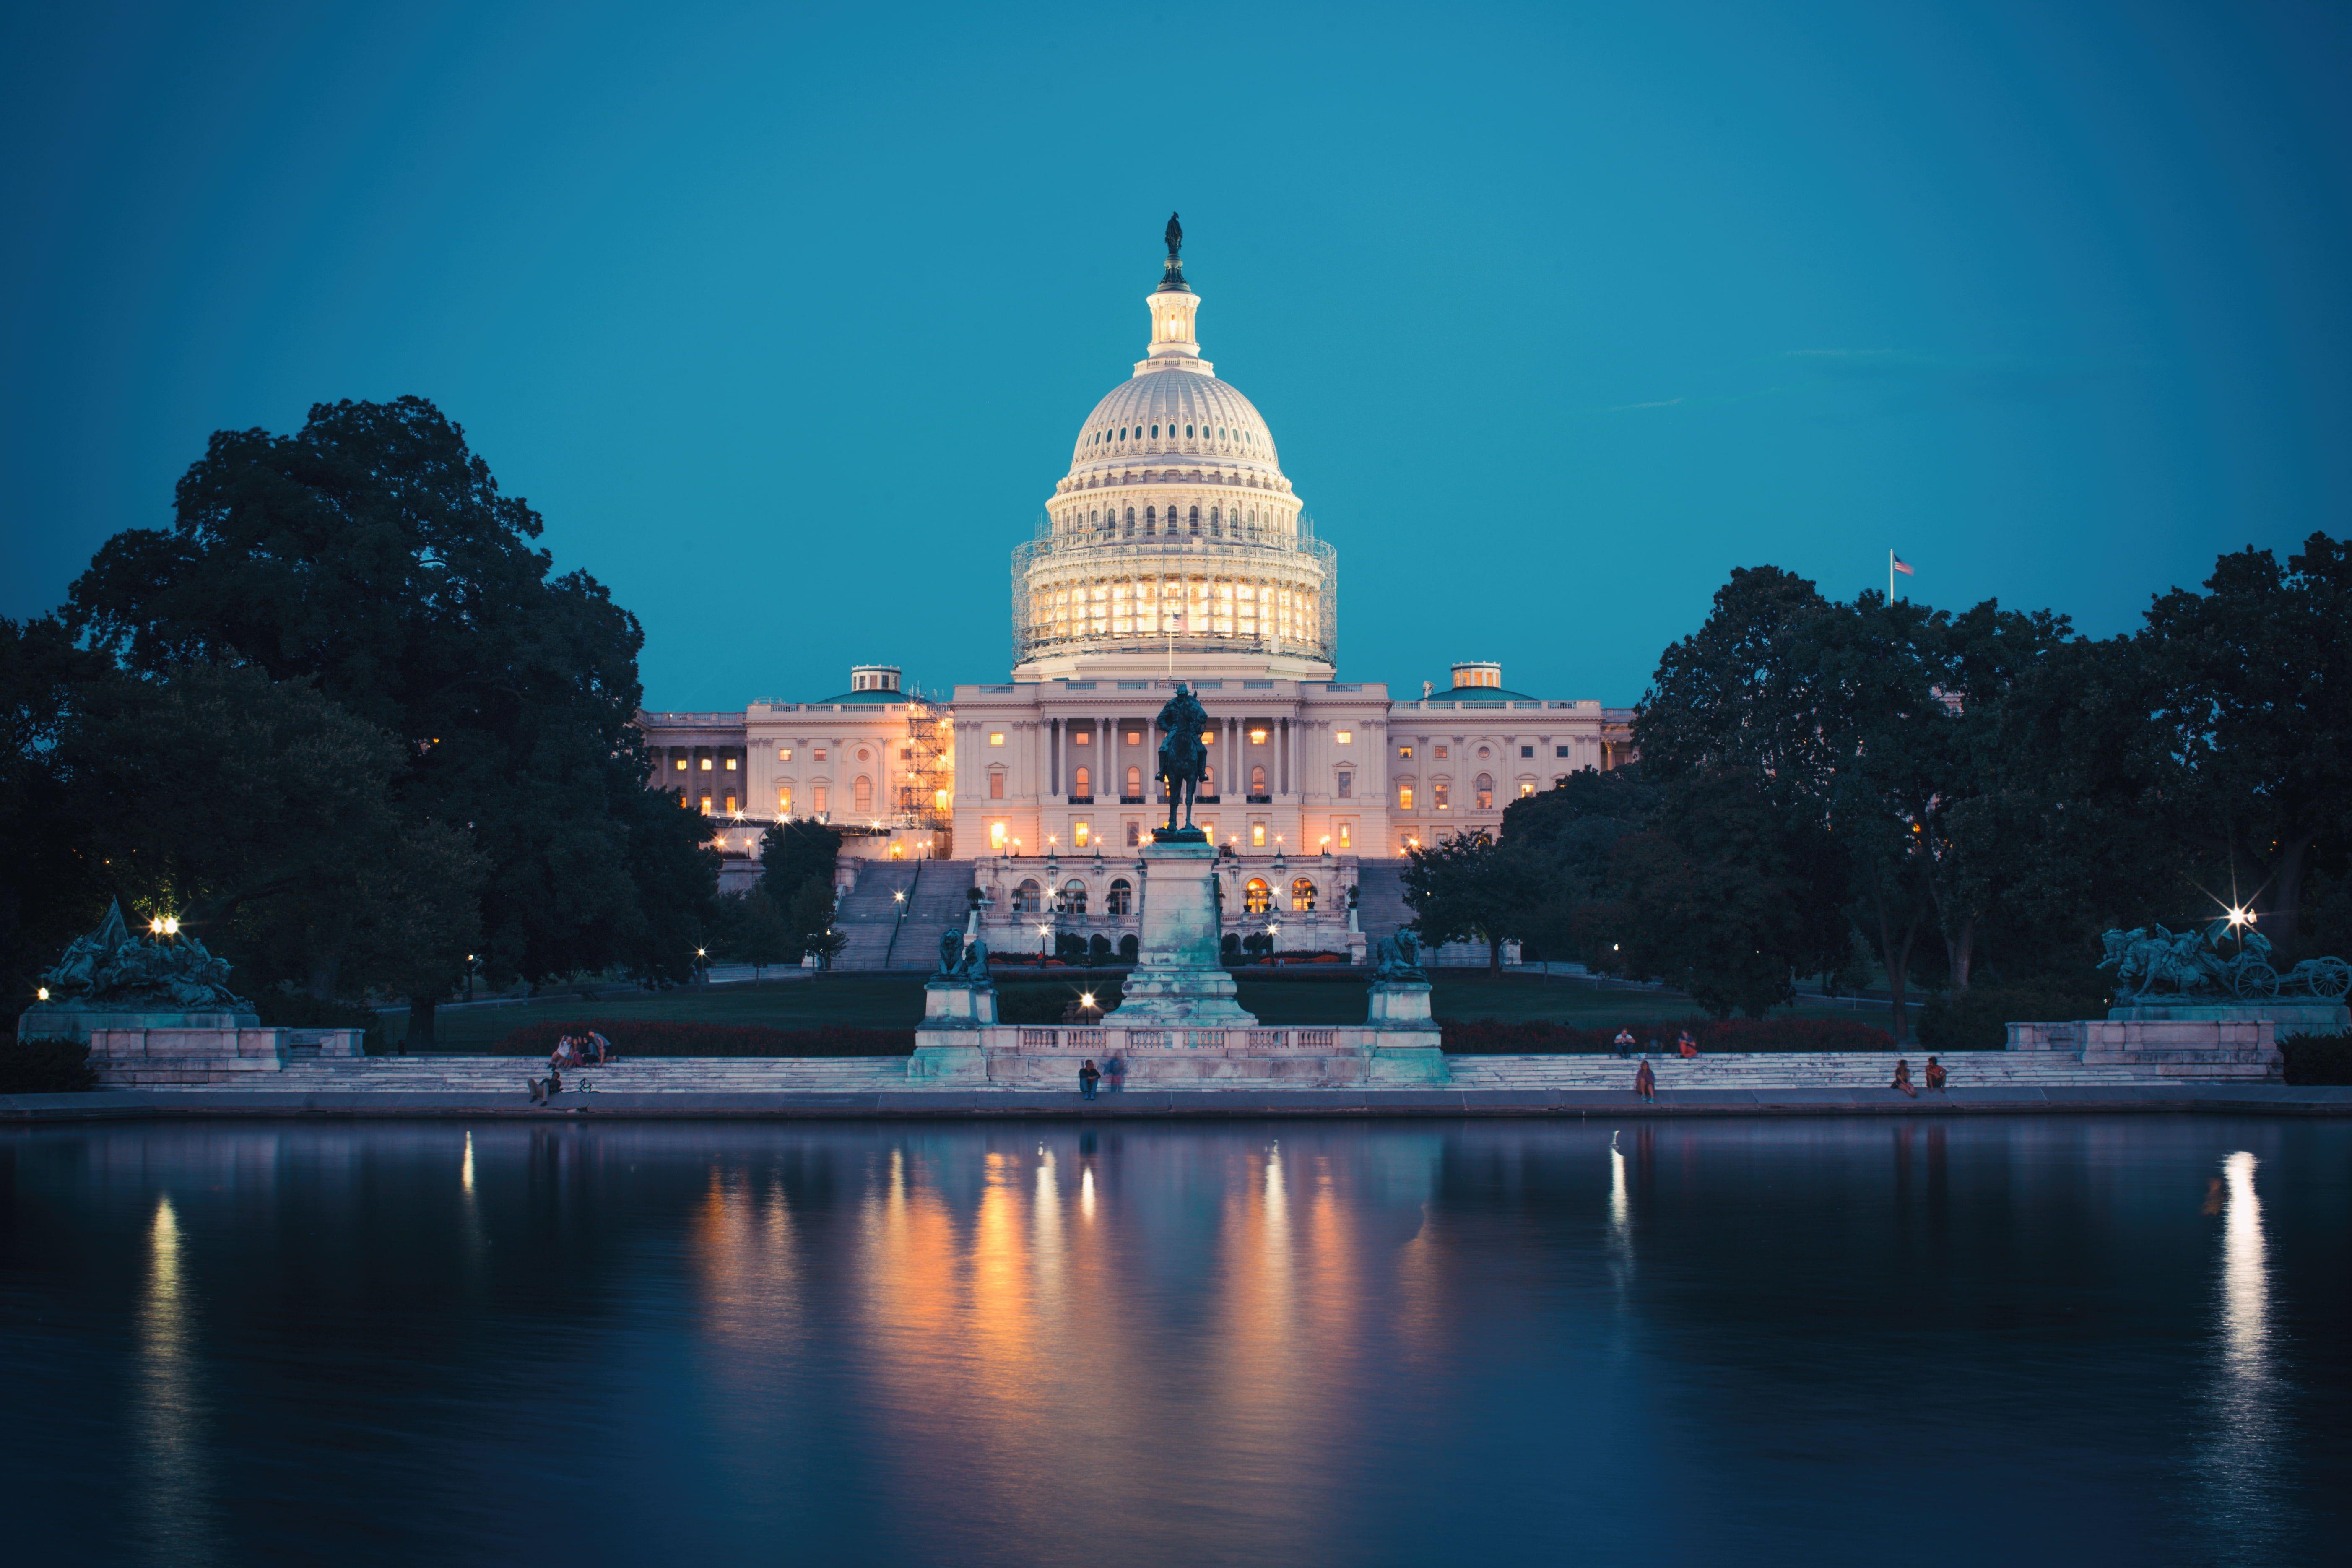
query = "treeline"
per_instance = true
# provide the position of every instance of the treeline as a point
(344, 721)
(1881, 791)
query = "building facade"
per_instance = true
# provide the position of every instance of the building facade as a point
(1173, 549)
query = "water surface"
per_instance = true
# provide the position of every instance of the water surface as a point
(2026, 1341)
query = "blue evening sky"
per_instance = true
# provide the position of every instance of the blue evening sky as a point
(786, 316)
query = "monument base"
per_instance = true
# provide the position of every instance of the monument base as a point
(957, 1015)
(38, 1022)
(181, 1055)
(2204, 1048)
(1179, 980)
(2285, 1017)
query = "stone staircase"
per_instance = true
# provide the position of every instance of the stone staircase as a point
(869, 914)
(1381, 909)
(437, 1074)
(1792, 1069)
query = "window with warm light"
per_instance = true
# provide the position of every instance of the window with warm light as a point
(1405, 751)
(1347, 835)
(1083, 738)
(819, 796)
(784, 801)
(1302, 897)
(996, 737)
(731, 765)
(1257, 737)
(1135, 781)
(1082, 783)
(820, 753)
(1082, 834)
(783, 754)
(1527, 788)
(731, 805)
(1486, 792)
(705, 805)
(1438, 790)
(1347, 737)
(996, 835)
(1257, 835)
(705, 765)
(1135, 737)
(1208, 737)
(1257, 781)
(1404, 795)
(1441, 752)
(1257, 899)
(681, 765)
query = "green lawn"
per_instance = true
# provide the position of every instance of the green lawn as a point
(896, 1001)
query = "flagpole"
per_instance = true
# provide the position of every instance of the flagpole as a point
(1890, 575)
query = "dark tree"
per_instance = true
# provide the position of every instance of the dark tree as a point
(52, 882)
(794, 852)
(2258, 679)
(1469, 887)
(373, 553)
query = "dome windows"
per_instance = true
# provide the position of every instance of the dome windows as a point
(1155, 432)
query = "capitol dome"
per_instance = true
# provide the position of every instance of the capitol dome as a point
(1175, 528)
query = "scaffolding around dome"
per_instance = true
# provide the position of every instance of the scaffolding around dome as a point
(1276, 596)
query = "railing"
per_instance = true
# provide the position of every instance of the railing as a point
(1315, 1040)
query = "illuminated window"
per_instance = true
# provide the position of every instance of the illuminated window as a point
(731, 765)
(1441, 752)
(1257, 781)
(819, 793)
(1084, 737)
(783, 754)
(1486, 792)
(705, 805)
(1404, 795)
(1257, 899)
(1208, 737)
(820, 753)
(1527, 788)
(1257, 737)
(1081, 783)
(1135, 781)
(1347, 835)
(705, 765)
(1081, 834)
(995, 738)
(1120, 900)
(731, 805)
(681, 765)
(996, 835)
(1257, 835)
(1302, 897)
(1405, 751)
(1438, 790)
(1347, 737)
(783, 800)
(1135, 737)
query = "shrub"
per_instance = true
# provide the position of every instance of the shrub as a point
(45, 1066)
(1978, 1019)
(300, 1010)
(652, 1038)
(2316, 1059)
(1493, 1036)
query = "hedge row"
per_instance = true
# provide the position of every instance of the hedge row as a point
(1493, 1036)
(650, 1038)
(45, 1066)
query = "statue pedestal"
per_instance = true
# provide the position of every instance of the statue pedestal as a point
(1178, 979)
(39, 1023)
(184, 1050)
(1407, 1047)
(956, 1015)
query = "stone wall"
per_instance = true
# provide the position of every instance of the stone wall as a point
(2186, 1048)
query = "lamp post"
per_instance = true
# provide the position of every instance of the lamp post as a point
(470, 963)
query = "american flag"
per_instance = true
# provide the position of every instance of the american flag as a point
(1900, 564)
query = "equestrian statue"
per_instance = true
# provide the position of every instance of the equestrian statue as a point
(1183, 761)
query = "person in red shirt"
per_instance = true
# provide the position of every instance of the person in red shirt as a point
(1685, 1045)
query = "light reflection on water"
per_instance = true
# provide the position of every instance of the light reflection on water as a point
(1181, 1345)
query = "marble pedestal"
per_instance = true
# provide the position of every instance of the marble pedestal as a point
(46, 1022)
(1407, 1045)
(1179, 980)
(957, 1017)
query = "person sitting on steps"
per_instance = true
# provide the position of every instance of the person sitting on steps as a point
(1903, 1078)
(1936, 1076)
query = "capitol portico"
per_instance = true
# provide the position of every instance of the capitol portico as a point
(1173, 549)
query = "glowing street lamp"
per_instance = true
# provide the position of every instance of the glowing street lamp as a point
(163, 925)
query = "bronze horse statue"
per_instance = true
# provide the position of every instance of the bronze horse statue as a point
(1183, 758)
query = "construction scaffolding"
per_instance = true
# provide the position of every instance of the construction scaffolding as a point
(927, 797)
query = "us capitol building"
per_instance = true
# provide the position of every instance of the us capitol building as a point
(1174, 549)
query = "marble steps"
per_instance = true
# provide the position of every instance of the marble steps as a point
(1840, 1069)
(652, 1075)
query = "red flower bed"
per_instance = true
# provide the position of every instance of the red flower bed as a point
(1493, 1037)
(650, 1038)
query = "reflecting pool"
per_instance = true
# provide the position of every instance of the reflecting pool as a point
(2037, 1339)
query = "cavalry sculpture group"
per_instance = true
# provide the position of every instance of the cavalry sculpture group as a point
(2191, 963)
